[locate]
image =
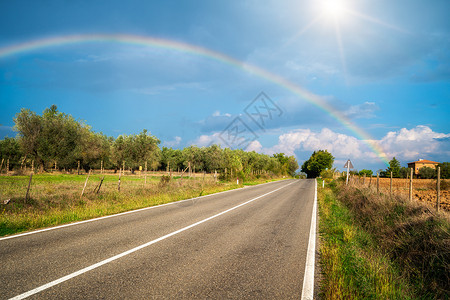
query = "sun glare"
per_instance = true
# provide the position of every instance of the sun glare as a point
(333, 8)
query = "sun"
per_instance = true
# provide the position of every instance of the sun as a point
(333, 8)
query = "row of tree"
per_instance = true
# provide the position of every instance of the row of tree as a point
(402, 172)
(56, 140)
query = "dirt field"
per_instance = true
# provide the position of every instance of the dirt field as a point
(423, 189)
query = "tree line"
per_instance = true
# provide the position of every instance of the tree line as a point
(403, 172)
(56, 140)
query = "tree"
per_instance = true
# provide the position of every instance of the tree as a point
(427, 172)
(445, 170)
(394, 167)
(52, 137)
(404, 172)
(10, 149)
(365, 172)
(135, 150)
(319, 161)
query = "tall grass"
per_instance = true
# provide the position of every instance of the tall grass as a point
(352, 267)
(410, 240)
(56, 199)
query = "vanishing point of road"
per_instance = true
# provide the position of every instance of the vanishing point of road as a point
(249, 243)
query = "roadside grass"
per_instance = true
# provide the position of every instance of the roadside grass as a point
(56, 199)
(352, 266)
(375, 247)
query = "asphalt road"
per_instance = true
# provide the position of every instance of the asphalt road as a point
(205, 248)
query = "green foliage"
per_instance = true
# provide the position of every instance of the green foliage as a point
(365, 172)
(404, 172)
(427, 173)
(445, 170)
(135, 150)
(328, 173)
(58, 137)
(394, 167)
(10, 149)
(319, 161)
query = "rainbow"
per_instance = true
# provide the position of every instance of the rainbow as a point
(200, 51)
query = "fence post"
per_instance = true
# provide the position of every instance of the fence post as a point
(28, 189)
(145, 176)
(390, 187)
(378, 182)
(78, 168)
(438, 188)
(1, 165)
(7, 166)
(410, 184)
(101, 167)
(85, 183)
(120, 175)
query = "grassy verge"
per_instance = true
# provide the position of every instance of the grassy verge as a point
(373, 247)
(56, 199)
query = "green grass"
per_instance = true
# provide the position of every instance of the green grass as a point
(352, 265)
(56, 199)
(375, 247)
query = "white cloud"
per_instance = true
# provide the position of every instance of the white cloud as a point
(340, 145)
(365, 110)
(415, 143)
(207, 140)
(254, 146)
(175, 142)
(218, 114)
(405, 144)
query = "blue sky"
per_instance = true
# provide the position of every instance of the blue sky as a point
(384, 65)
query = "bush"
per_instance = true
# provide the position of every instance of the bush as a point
(427, 173)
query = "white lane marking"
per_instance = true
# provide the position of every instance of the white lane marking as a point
(308, 278)
(119, 214)
(103, 262)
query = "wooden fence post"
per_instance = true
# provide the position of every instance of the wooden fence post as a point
(85, 183)
(101, 167)
(410, 184)
(378, 182)
(390, 187)
(28, 189)
(145, 175)
(99, 185)
(120, 175)
(78, 168)
(1, 165)
(7, 166)
(438, 188)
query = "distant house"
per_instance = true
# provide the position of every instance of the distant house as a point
(416, 165)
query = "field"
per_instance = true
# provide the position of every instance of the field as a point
(423, 189)
(56, 198)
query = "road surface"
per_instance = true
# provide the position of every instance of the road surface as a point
(249, 243)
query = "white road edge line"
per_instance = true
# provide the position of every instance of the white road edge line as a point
(103, 262)
(119, 214)
(308, 278)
